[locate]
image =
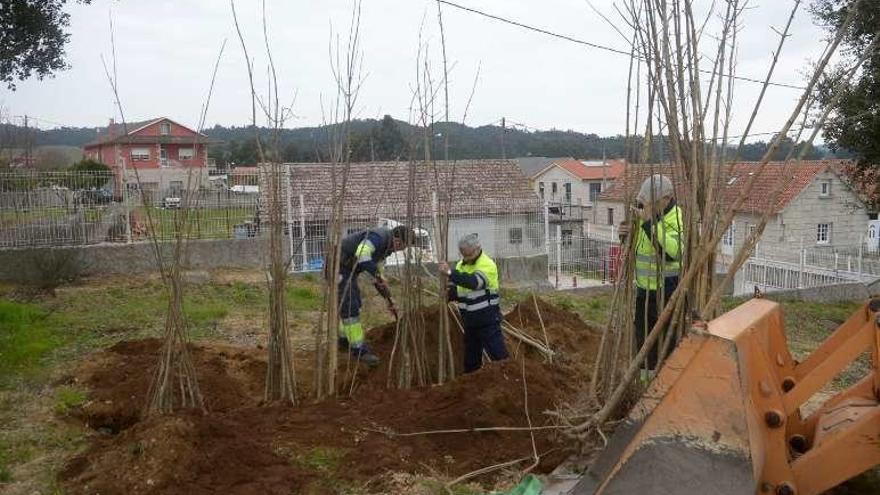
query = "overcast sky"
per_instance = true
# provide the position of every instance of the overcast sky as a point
(166, 50)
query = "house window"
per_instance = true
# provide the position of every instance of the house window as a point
(751, 229)
(185, 154)
(823, 233)
(515, 235)
(825, 189)
(164, 128)
(140, 154)
(176, 185)
(567, 188)
(553, 190)
(610, 216)
(566, 237)
(727, 239)
(163, 157)
(595, 191)
(541, 189)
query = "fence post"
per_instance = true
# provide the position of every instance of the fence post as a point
(558, 253)
(126, 208)
(547, 229)
(801, 267)
(859, 261)
(302, 232)
(287, 191)
(547, 234)
(435, 221)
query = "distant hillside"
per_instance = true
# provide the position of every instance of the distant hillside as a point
(390, 139)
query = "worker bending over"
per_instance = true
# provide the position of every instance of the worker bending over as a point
(658, 260)
(474, 285)
(365, 252)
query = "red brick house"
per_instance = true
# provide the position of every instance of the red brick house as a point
(166, 154)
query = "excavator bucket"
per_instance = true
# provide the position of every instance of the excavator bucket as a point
(723, 415)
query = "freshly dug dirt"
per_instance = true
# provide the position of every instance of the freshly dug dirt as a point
(242, 446)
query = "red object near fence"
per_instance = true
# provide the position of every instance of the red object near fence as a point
(612, 263)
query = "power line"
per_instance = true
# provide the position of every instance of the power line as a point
(598, 46)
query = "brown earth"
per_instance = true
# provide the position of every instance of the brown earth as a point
(352, 443)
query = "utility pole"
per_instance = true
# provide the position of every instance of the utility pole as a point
(27, 143)
(503, 132)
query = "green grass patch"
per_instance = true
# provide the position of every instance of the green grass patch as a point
(25, 340)
(5, 470)
(593, 307)
(68, 398)
(325, 460)
(304, 298)
(247, 294)
(205, 312)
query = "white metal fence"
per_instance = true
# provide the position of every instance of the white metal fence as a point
(781, 269)
(51, 209)
(581, 254)
(45, 209)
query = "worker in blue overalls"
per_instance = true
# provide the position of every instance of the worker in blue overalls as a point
(474, 286)
(365, 251)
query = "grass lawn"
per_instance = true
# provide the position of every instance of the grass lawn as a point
(43, 340)
(204, 223)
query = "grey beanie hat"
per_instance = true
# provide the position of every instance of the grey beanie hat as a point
(469, 241)
(654, 188)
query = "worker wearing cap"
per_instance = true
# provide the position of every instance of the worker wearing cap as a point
(365, 251)
(658, 248)
(474, 286)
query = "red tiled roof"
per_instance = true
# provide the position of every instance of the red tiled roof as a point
(610, 171)
(115, 134)
(480, 186)
(732, 179)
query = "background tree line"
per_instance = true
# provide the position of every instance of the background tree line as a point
(388, 139)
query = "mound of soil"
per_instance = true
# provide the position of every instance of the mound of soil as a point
(356, 442)
(119, 378)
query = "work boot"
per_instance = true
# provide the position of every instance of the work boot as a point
(363, 354)
(342, 342)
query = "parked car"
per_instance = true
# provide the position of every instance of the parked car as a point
(171, 202)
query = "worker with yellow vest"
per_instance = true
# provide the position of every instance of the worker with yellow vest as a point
(658, 248)
(474, 286)
(365, 251)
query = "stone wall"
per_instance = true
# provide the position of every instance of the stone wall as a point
(854, 291)
(137, 258)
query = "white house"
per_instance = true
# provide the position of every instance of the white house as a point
(576, 182)
(491, 198)
(815, 208)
